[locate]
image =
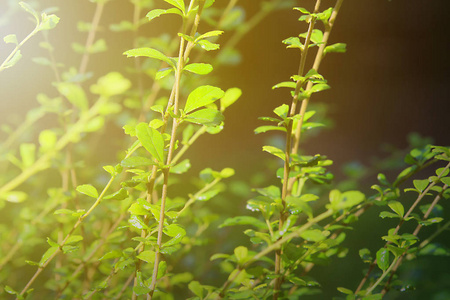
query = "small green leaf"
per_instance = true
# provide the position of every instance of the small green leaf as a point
(287, 84)
(148, 256)
(275, 151)
(158, 12)
(17, 56)
(152, 140)
(121, 194)
(181, 167)
(201, 96)
(241, 254)
(313, 235)
(151, 53)
(111, 84)
(14, 196)
(282, 111)
(88, 190)
(209, 34)
(383, 259)
(207, 116)
(74, 93)
(421, 185)
(337, 48)
(230, 96)
(244, 220)
(176, 232)
(199, 68)
(28, 154)
(30, 10)
(10, 39)
(136, 222)
(345, 291)
(178, 4)
(196, 288)
(207, 45)
(136, 161)
(387, 214)
(48, 22)
(163, 73)
(74, 239)
(397, 207)
(47, 255)
(265, 128)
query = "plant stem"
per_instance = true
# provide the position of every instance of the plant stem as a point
(77, 224)
(416, 202)
(91, 36)
(274, 246)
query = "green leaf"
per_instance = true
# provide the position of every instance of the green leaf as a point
(137, 223)
(136, 161)
(74, 93)
(387, 214)
(178, 4)
(282, 111)
(17, 56)
(176, 232)
(209, 34)
(207, 116)
(181, 167)
(163, 73)
(318, 88)
(88, 190)
(265, 128)
(196, 288)
(30, 10)
(14, 196)
(287, 84)
(10, 39)
(152, 140)
(275, 151)
(421, 185)
(46, 256)
(201, 96)
(313, 235)
(337, 48)
(383, 259)
(230, 96)
(158, 12)
(199, 68)
(28, 154)
(397, 207)
(345, 291)
(111, 84)
(74, 239)
(241, 254)
(48, 22)
(244, 220)
(445, 180)
(208, 46)
(148, 256)
(151, 53)
(121, 194)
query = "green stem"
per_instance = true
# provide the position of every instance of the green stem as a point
(385, 273)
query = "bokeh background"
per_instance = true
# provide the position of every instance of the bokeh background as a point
(393, 80)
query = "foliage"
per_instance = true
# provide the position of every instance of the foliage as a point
(132, 231)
